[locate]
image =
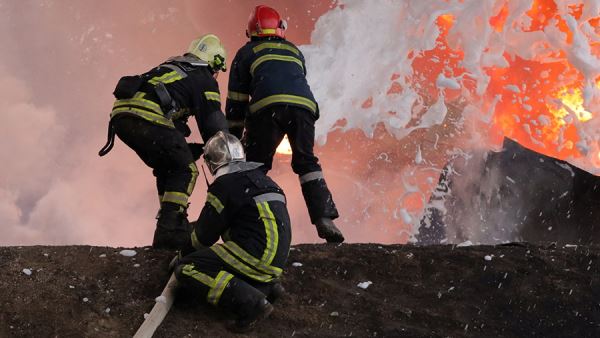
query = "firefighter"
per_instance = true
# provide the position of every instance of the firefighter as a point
(150, 116)
(247, 210)
(269, 97)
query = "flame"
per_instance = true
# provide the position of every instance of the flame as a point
(540, 104)
(284, 147)
(572, 101)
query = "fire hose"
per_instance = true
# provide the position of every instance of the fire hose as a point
(159, 311)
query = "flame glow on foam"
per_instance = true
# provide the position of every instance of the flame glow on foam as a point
(524, 69)
(429, 80)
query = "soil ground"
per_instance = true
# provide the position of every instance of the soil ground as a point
(516, 290)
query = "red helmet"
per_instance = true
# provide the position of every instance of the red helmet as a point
(265, 21)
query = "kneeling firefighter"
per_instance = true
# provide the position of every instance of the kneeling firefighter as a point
(248, 211)
(150, 116)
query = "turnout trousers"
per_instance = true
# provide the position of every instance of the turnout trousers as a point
(204, 274)
(266, 129)
(166, 151)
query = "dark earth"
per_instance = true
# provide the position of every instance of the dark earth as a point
(518, 290)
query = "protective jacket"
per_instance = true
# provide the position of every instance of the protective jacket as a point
(267, 71)
(248, 211)
(168, 94)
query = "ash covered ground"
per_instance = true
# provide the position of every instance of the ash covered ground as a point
(513, 290)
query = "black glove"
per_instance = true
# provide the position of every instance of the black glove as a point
(197, 150)
(182, 127)
(175, 262)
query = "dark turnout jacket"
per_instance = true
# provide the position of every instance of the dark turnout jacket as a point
(191, 90)
(265, 72)
(248, 211)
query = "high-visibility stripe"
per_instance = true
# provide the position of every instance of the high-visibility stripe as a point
(176, 197)
(270, 196)
(271, 231)
(221, 282)
(242, 97)
(315, 175)
(265, 31)
(212, 96)
(251, 260)
(166, 78)
(140, 102)
(274, 57)
(239, 266)
(215, 202)
(181, 72)
(275, 45)
(146, 115)
(195, 242)
(203, 278)
(283, 98)
(192, 184)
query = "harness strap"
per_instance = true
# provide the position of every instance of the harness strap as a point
(110, 141)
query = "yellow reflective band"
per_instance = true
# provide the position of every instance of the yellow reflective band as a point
(242, 97)
(274, 57)
(192, 184)
(203, 278)
(270, 230)
(146, 115)
(195, 242)
(166, 78)
(276, 45)
(283, 98)
(215, 202)
(251, 260)
(212, 96)
(265, 31)
(176, 197)
(140, 102)
(239, 266)
(221, 282)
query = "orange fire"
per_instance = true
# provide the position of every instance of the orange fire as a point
(537, 104)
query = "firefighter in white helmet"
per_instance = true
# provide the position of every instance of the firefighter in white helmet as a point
(247, 210)
(150, 115)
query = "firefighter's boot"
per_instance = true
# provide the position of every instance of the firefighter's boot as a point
(172, 228)
(321, 207)
(248, 304)
(327, 230)
(273, 291)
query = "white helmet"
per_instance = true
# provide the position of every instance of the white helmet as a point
(222, 149)
(210, 49)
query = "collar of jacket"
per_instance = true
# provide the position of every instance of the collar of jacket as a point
(266, 38)
(236, 167)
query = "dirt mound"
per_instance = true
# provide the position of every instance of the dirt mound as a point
(508, 290)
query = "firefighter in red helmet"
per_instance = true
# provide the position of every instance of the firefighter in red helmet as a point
(269, 97)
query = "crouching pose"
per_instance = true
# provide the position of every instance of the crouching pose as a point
(248, 211)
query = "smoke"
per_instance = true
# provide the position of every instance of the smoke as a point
(60, 63)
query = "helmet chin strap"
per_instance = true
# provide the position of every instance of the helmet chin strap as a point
(205, 178)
